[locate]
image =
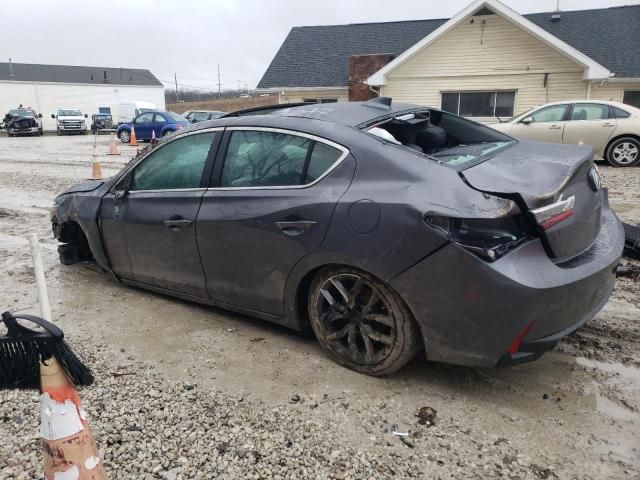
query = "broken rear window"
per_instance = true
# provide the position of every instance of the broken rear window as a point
(443, 137)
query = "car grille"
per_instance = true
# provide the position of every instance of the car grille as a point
(72, 123)
(24, 123)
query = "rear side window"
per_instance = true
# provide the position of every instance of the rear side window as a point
(619, 113)
(322, 159)
(273, 159)
(177, 165)
(590, 111)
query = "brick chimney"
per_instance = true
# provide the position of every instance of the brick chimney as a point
(362, 67)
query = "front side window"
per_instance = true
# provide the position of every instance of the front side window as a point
(273, 159)
(554, 113)
(145, 118)
(479, 104)
(590, 111)
(177, 165)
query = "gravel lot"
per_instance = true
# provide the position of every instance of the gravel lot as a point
(185, 391)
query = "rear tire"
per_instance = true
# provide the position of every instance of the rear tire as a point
(360, 322)
(624, 152)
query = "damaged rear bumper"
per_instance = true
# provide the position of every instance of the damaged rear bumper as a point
(475, 322)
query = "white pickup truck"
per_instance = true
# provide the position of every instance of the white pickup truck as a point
(70, 120)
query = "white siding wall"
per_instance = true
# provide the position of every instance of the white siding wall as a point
(46, 98)
(496, 56)
(294, 96)
(611, 90)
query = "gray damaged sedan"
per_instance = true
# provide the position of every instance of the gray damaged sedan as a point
(386, 228)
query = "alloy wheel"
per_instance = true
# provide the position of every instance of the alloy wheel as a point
(625, 153)
(356, 319)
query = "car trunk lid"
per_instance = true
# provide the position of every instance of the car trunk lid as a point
(555, 184)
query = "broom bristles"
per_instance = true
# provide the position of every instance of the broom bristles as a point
(22, 350)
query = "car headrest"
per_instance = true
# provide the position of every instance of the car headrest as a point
(580, 115)
(432, 138)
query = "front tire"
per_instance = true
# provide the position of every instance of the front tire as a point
(124, 136)
(360, 322)
(624, 152)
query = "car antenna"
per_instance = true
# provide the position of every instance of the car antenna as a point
(379, 102)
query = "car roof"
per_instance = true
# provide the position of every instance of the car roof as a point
(345, 113)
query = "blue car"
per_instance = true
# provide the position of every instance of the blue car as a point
(158, 121)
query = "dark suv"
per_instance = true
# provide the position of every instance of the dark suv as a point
(23, 121)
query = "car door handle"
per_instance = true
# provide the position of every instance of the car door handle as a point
(295, 227)
(608, 125)
(175, 223)
(555, 127)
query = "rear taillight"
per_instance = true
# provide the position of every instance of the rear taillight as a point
(488, 238)
(551, 215)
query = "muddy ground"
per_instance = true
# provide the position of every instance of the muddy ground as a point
(575, 413)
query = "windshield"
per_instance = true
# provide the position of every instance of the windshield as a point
(175, 117)
(69, 113)
(22, 112)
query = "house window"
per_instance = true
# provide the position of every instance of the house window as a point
(319, 100)
(632, 97)
(479, 104)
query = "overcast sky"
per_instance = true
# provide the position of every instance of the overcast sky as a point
(191, 37)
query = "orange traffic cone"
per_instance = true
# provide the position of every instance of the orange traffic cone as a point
(69, 448)
(96, 168)
(113, 148)
(132, 137)
(154, 140)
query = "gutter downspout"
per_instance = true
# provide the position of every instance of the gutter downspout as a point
(589, 90)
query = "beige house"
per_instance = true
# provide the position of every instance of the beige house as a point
(486, 62)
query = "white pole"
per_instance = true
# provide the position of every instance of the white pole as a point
(38, 269)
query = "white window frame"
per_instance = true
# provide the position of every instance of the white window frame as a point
(495, 93)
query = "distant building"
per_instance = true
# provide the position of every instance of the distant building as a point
(91, 89)
(486, 61)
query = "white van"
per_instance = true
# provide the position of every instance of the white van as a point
(128, 110)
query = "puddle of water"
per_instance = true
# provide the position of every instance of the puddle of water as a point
(626, 371)
(612, 409)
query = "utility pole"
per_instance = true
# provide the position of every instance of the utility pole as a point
(219, 83)
(175, 77)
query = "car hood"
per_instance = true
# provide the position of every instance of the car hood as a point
(536, 171)
(88, 186)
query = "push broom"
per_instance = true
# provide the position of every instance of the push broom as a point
(33, 354)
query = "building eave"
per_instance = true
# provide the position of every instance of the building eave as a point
(592, 69)
(300, 89)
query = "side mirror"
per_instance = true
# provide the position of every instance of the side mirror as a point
(86, 116)
(39, 115)
(53, 116)
(121, 194)
(527, 120)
